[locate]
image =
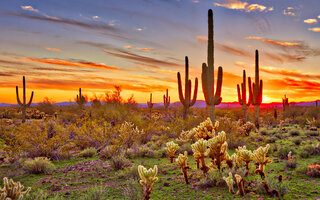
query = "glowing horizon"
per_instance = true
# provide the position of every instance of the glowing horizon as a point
(63, 46)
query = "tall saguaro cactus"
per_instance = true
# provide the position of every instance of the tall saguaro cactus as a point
(23, 105)
(212, 99)
(242, 96)
(186, 100)
(256, 91)
(81, 100)
(166, 101)
(150, 105)
(285, 103)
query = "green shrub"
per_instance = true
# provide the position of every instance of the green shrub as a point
(297, 141)
(283, 152)
(97, 192)
(272, 139)
(264, 132)
(88, 153)
(312, 133)
(273, 183)
(109, 151)
(307, 151)
(294, 133)
(119, 162)
(41, 194)
(302, 170)
(292, 164)
(130, 173)
(40, 165)
(132, 189)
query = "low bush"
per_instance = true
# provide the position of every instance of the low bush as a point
(297, 141)
(88, 153)
(312, 133)
(119, 162)
(39, 165)
(97, 192)
(272, 139)
(284, 151)
(294, 133)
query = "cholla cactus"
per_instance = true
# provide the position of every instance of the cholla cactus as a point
(240, 184)
(185, 137)
(229, 181)
(205, 130)
(12, 190)
(260, 156)
(171, 150)
(182, 162)
(245, 155)
(218, 149)
(290, 158)
(148, 178)
(232, 161)
(200, 151)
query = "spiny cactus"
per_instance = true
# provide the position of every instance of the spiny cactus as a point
(260, 156)
(230, 182)
(150, 105)
(240, 184)
(242, 96)
(207, 75)
(171, 150)
(245, 155)
(217, 149)
(205, 130)
(148, 178)
(285, 103)
(166, 101)
(81, 100)
(186, 100)
(200, 151)
(231, 160)
(12, 190)
(182, 163)
(256, 91)
(23, 105)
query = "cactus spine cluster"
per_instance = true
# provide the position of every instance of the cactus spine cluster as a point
(171, 150)
(23, 105)
(182, 163)
(285, 103)
(12, 190)
(212, 99)
(81, 100)
(166, 101)
(148, 178)
(186, 99)
(242, 96)
(150, 105)
(256, 91)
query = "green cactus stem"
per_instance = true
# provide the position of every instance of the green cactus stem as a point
(166, 101)
(186, 100)
(242, 97)
(285, 103)
(256, 90)
(81, 100)
(207, 76)
(24, 105)
(150, 105)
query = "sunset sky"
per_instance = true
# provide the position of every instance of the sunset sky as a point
(141, 44)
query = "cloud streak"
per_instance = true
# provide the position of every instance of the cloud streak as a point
(243, 6)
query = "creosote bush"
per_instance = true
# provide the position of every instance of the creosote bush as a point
(119, 162)
(38, 165)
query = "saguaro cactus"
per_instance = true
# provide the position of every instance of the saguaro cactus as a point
(207, 76)
(285, 102)
(150, 105)
(81, 100)
(166, 101)
(256, 91)
(23, 105)
(186, 100)
(242, 96)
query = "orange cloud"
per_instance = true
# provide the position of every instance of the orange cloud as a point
(289, 72)
(29, 8)
(234, 51)
(52, 49)
(127, 47)
(239, 5)
(289, 11)
(275, 42)
(57, 61)
(310, 21)
(315, 29)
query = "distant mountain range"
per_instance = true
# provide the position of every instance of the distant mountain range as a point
(200, 104)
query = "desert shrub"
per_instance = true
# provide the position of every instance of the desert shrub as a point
(273, 183)
(119, 162)
(129, 135)
(160, 153)
(242, 171)
(297, 141)
(264, 132)
(130, 173)
(213, 179)
(292, 164)
(132, 189)
(306, 151)
(97, 192)
(41, 194)
(88, 153)
(185, 147)
(109, 151)
(144, 151)
(312, 133)
(302, 170)
(38, 165)
(294, 132)
(272, 139)
(284, 151)
(278, 135)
